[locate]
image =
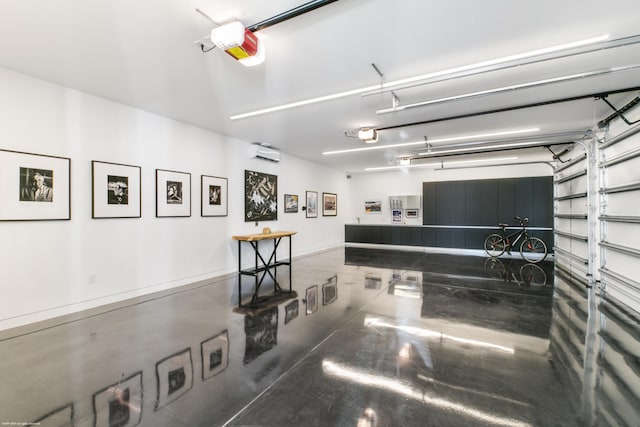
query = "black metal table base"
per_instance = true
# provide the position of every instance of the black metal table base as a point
(262, 270)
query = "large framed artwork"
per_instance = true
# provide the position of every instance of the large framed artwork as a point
(115, 190)
(34, 187)
(119, 404)
(312, 204)
(329, 204)
(290, 203)
(260, 196)
(214, 195)
(175, 377)
(173, 193)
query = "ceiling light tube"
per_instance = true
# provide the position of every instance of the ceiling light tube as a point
(511, 88)
(455, 138)
(392, 84)
(482, 148)
(440, 164)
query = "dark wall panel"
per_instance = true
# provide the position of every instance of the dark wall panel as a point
(488, 202)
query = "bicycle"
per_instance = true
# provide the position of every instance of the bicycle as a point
(532, 249)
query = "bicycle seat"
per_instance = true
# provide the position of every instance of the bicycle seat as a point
(502, 225)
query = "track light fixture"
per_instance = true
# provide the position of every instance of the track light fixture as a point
(369, 136)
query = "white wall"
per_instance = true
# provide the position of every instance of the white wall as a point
(46, 265)
(381, 185)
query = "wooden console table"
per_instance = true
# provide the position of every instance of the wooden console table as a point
(260, 271)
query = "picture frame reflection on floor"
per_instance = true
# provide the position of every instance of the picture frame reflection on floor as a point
(330, 291)
(120, 404)
(311, 299)
(115, 190)
(34, 187)
(173, 193)
(175, 377)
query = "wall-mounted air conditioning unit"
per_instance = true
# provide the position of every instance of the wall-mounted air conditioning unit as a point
(260, 151)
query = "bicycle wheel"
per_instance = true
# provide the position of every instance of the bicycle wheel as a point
(494, 245)
(532, 275)
(533, 250)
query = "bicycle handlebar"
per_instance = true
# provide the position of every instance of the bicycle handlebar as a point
(521, 220)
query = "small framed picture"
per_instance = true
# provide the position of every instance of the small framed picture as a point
(214, 196)
(115, 190)
(411, 213)
(34, 187)
(312, 204)
(62, 416)
(396, 216)
(173, 193)
(329, 204)
(290, 203)
(373, 206)
(311, 298)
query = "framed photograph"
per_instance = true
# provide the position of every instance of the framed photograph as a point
(311, 298)
(260, 196)
(411, 213)
(330, 291)
(290, 203)
(34, 187)
(215, 355)
(373, 206)
(291, 311)
(329, 204)
(115, 190)
(214, 196)
(120, 404)
(312, 204)
(396, 216)
(173, 193)
(175, 377)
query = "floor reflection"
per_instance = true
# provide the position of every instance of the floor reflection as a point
(387, 338)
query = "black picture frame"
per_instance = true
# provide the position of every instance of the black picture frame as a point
(34, 187)
(260, 196)
(115, 190)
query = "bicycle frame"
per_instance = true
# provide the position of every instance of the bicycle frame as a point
(519, 233)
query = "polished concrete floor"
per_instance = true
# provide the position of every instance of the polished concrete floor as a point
(370, 338)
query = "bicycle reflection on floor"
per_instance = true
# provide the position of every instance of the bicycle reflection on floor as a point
(527, 275)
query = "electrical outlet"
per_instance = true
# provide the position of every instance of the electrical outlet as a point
(92, 278)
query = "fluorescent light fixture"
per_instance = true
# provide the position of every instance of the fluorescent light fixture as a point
(570, 77)
(437, 140)
(480, 147)
(405, 162)
(391, 84)
(441, 164)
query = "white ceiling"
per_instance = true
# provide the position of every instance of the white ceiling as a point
(142, 53)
